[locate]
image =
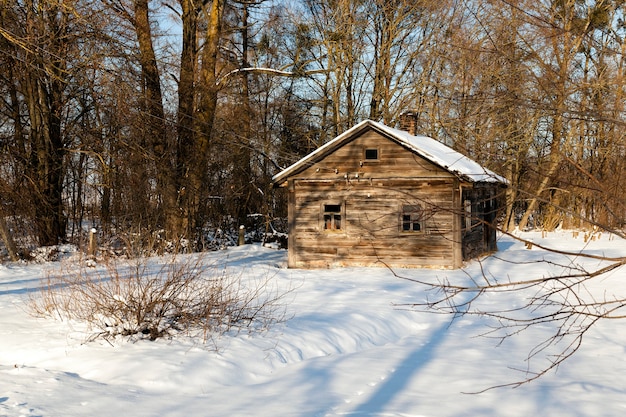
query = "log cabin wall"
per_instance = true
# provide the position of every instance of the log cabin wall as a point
(374, 202)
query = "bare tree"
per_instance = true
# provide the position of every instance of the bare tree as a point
(402, 33)
(39, 54)
(562, 302)
(533, 93)
(41, 50)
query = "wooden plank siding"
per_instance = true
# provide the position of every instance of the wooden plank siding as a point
(348, 209)
(394, 161)
(372, 195)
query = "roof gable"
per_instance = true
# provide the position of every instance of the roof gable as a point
(428, 148)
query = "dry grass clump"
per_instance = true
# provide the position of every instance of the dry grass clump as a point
(152, 298)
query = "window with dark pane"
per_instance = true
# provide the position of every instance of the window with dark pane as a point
(371, 154)
(412, 217)
(332, 216)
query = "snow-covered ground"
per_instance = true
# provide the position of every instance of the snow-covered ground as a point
(347, 348)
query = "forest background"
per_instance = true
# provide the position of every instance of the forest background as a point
(168, 118)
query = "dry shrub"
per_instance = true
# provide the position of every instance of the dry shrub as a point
(151, 299)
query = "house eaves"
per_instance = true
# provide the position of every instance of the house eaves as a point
(436, 152)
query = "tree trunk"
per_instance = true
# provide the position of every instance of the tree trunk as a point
(155, 123)
(7, 238)
(205, 116)
(186, 106)
(43, 97)
(243, 163)
(555, 161)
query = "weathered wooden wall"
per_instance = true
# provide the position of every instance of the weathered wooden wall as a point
(480, 238)
(372, 194)
(394, 161)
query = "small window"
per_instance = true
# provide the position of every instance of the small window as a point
(332, 217)
(412, 218)
(371, 154)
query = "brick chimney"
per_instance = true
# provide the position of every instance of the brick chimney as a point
(408, 122)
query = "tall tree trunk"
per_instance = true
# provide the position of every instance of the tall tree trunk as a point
(205, 116)
(155, 122)
(43, 92)
(243, 167)
(186, 105)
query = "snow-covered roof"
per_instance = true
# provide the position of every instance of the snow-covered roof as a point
(428, 148)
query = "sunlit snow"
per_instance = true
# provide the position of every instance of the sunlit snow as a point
(347, 347)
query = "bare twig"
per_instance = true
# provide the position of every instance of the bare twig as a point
(561, 302)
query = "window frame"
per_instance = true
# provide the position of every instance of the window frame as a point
(330, 213)
(412, 215)
(371, 149)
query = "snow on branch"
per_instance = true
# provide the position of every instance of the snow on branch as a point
(268, 71)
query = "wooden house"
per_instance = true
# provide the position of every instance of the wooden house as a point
(376, 195)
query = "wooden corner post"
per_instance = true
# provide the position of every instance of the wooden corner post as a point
(457, 231)
(291, 220)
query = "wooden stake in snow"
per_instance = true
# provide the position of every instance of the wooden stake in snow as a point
(242, 235)
(93, 244)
